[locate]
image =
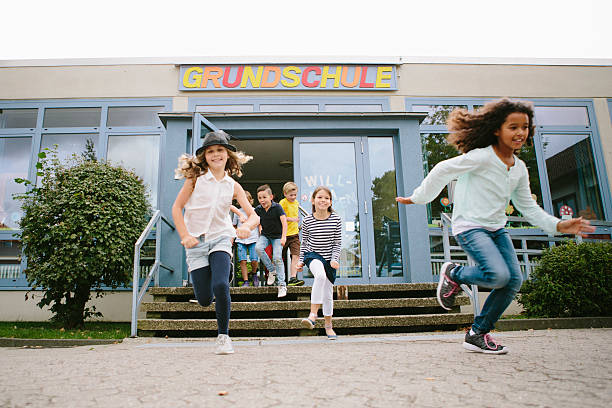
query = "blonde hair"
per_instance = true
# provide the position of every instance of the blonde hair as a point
(328, 191)
(194, 166)
(289, 186)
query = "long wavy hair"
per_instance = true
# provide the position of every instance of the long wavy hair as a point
(194, 166)
(472, 130)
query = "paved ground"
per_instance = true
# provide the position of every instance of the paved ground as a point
(548, 368)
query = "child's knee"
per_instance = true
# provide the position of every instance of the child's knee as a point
(501, 279)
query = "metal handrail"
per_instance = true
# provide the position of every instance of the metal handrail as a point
(137, 292)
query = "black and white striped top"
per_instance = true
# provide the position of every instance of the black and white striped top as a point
(322, 236)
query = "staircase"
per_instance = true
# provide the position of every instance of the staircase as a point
(256, 311)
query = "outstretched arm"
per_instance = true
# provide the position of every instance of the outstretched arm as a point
(578, 226)
(253, 221)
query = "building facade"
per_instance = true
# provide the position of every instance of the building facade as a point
(368, 128)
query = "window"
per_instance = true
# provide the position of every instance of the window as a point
(68, 143)
(225, 108)
(561, 116)
(571, 174)
(14, 162)
(18, 118)
(353, 108)
(139, 153)
(436, 114)
(387, 243)
(72, 117)
(288, 108)
(133, 116)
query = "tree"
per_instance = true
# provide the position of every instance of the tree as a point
(78, 231)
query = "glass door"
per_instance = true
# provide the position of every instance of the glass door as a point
(360, 172)
(336, 164)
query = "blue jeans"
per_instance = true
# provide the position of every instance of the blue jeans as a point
(496, 268)
(241, 252)
(277, 256)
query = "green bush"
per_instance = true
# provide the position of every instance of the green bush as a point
(571, 280)
(78, 232)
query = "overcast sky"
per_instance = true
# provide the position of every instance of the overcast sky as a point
(453, 28)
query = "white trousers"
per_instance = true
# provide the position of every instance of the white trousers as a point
(322, 288)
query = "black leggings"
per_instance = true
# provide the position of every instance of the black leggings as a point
(214, 279)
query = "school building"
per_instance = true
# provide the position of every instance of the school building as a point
(368, 128)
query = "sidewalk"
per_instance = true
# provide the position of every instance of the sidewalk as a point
(545, 368)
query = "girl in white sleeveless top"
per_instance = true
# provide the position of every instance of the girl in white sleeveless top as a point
(206, 229)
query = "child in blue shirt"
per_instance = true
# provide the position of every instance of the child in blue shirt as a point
(489, 175)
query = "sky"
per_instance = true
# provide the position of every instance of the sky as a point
(36, 29)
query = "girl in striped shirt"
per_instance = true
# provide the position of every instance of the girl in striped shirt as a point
(320, 251)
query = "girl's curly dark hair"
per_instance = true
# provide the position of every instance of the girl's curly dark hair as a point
(472, 130)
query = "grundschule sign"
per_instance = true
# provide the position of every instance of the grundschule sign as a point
(287, 77)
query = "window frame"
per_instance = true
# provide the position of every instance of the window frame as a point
(102, 130)
(289, 100)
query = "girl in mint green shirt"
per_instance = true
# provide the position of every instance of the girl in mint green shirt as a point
(489, 175)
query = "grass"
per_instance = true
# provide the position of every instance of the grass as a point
(49, 330)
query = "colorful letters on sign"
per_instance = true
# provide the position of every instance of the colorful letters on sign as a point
(287, 77)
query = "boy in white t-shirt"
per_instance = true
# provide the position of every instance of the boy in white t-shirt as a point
(244, 245)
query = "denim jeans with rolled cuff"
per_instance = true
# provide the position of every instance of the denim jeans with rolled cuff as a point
(278, 266)
(497, 268)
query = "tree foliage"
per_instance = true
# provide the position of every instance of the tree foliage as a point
(78, 231)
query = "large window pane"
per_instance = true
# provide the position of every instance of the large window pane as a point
(18, 118)
(385, 214)
(435, 150)
(10, 259)
(121, 150)
(561, 116)
(68, 144)
(72, 117)
(133, 116)
(14, 161)
(436, 114)
(353, 108)
(571, 174)
(288, 108)
(225, 108)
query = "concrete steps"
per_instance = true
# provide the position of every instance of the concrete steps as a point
(257, 311)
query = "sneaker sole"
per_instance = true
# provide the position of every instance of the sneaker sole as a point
(271, 283)
(223, 353)
(440, 282)
(476, 349)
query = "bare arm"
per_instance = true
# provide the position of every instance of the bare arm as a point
(238, 212)
(253, 221)
(283, 219)
(177, 213)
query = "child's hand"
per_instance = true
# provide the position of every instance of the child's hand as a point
(299, 266)
(334, 264)
(576, 226)
(404, 200)
(243, 218)
(189, 242)
(243, 231)
(283, 241)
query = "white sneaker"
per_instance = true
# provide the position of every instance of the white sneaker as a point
(271, 278)
(224, 345)
(282, 291)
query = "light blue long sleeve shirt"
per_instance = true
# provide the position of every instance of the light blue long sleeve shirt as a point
(483, 190)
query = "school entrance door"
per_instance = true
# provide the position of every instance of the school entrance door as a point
(366, 160)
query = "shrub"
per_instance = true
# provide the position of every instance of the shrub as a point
(571, 280)
(78, 232)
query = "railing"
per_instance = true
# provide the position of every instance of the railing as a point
(138, 293)
(526, 256)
